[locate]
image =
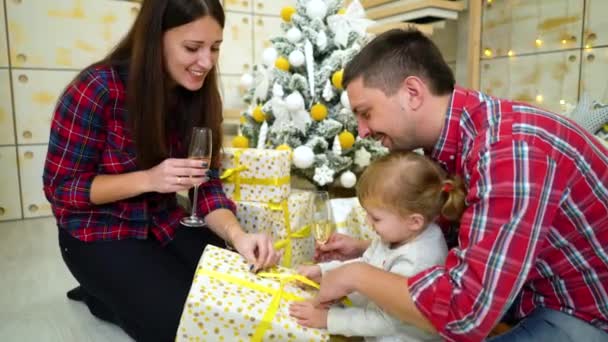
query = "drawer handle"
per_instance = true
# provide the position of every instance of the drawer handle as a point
(592, 36)
(246, 66)
(245, 3)
(17, 1)
(2, 211)
(28, 155)
(23, 78)
(590, 57)
(32, 208)
(572, 58)
(245, 20)
(27, 134)
(260, 22)
(21, 58)
(260, 5)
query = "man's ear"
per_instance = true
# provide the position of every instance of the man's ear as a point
(413, 91)
(415, 222)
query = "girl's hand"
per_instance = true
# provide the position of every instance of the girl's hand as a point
(312, 272)
(306, 314)
(174, 175)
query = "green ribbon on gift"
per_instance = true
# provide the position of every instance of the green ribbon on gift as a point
(233, 176)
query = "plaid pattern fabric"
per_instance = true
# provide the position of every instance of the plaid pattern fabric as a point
(89, 137)
(536, 228)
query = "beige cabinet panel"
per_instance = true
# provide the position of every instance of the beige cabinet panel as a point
(238, 5)
(446, 39)
(596, 23)
(232, 94)
(10, 199)
(264, 28)
(3, 46)
(271, 7)
(36, 93)
(65, 33)
(548, 81)
(530, 26)
(31, 165)
(7, 130)
(593, 77)
(236, 56)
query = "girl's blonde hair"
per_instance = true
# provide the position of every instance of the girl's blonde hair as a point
(408, 183)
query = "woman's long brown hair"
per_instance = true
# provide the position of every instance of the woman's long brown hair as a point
(154, 109)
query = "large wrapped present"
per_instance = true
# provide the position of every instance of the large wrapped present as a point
(287, 222)
(256, 175)
(229, 303)
(350, 218)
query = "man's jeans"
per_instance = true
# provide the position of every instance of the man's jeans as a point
(546, 325)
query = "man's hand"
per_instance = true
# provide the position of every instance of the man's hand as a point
(337, 284)
(340, 247)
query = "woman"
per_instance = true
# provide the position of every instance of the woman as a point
(117, 157)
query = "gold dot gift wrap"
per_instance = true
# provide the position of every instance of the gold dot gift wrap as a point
(229, 303)
(256, 175)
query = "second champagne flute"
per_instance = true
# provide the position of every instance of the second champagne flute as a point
(200, 149)
(323, 222)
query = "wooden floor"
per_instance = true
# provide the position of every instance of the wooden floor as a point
(33, 282)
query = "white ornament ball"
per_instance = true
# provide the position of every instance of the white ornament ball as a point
(344, 100)
(296, 58)
(303, 157)
(348, 179)
(246, 81)
(269, 56)
(294, 35)
(316, 9)
(294, 102)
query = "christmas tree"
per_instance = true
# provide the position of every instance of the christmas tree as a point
(296, 99)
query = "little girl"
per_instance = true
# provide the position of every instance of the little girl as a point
(402, 193)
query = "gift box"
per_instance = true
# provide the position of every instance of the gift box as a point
(350, 218)
(287, 222)
(256, 175)
(229, 303)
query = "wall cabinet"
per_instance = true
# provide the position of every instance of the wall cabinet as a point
(10, 198)
(31, 165)
(236, 56)
(7, 128)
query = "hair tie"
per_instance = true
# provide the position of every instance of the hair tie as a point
(447, 187)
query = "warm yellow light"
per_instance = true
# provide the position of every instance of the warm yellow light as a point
(510, 53)
(564, 41)
(538, 42)
(487, 52)
(489, 1)
(587, 46)
(539, 98)
(562, 102)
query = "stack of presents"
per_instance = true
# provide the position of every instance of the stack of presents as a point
(226, 301)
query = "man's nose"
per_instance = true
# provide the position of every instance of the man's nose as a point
(363, 128)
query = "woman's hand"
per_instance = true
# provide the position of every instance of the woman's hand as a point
(257, 248)
(174, 175)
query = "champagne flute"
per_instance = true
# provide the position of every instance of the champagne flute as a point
(200, 149)
(323, 223)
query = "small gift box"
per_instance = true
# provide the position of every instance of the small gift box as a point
(256, 175)
(351, 219)
(229, 303)
(287, 222)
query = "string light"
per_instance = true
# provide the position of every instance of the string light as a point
(510, 53)
(539, 98)
(562, 102)
(487, 52)
(564, 41)
(538, 42)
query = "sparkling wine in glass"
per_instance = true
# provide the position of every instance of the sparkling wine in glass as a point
(323, 223)
(200, 149)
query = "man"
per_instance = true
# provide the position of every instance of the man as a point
(534, 234)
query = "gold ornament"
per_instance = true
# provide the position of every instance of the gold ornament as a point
(347, 139)
(318, 112)
(287, 12)
(240, 141)
(336, 78)
(342, 11)
(282, 63)
(243, 119)
(285, 147)
(258, 114)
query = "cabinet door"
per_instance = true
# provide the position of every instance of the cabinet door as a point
(530, 26)
(3, 46)
(236, 56)
(593, 78)
(548, 81)
(238, 5)
(596, 23)
(264, 28)
(65, 33)
(10, 199)
(271, 7)
(7, 130)
(31, 164)
(36, 93)
(232, 94)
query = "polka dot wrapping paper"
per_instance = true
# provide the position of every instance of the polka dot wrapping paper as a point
(256, 175)
(294, 235)
(229, 303)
